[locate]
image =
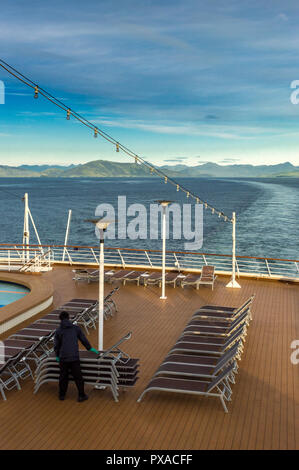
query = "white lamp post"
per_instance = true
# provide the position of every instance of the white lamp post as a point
(233, 283)
(164, 205)
(26, 229)
(102, 225)
(67, 233)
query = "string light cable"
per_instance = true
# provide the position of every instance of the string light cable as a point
(39, 91)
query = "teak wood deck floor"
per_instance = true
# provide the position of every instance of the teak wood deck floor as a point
(263, 414)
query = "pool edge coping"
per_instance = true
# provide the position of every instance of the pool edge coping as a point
(38, 299)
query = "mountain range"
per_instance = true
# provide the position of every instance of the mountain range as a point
(104, 168)
(235, 171)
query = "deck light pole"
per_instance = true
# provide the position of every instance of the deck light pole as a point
(102, 226)
(26, 235)
(233, 282)
(164, 205)
(67, 233)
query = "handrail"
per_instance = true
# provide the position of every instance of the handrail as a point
(272, 268)
(82, 247)
(33, 260)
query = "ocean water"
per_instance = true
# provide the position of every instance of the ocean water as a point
(267, 211)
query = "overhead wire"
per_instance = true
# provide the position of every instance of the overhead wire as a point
(97, 131)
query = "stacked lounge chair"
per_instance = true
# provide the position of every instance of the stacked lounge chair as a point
(218, 312)
(204, 344)
(109, 301)
(34, 343)
(218, 328)
(112, 369)
(84, 312)
(204, 359)
(110, 307)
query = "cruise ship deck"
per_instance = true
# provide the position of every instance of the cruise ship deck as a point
(263, 413)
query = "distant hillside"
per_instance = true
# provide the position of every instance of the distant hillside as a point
(16, 172)
(235, 171)
(103, 168)
(289, 174)
(30, 171)
(40, 168)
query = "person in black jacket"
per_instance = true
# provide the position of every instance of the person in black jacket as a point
(67, 354)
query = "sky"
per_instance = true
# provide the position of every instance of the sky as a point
(176, 81)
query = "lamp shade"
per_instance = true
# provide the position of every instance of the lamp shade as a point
(101, 224)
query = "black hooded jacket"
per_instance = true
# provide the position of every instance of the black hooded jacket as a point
(66, 341)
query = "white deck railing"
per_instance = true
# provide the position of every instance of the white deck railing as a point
(13, 257)
(34, 259)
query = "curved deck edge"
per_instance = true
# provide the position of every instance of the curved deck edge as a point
(39, 298)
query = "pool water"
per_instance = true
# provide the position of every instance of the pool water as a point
(10, 292)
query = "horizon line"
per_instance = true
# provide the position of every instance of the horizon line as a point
(159, 166)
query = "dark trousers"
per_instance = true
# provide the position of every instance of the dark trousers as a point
(75, 369)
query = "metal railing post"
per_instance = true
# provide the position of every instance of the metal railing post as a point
(11, 257)
(177, 263)
(67, 232)
(122, 259)
(149, 260)
(268, 268)
(237, 268)
(94, 255)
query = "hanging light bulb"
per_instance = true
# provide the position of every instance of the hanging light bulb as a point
(152, 170)
(188, 193)
(136, 160)
(197, 200)
(36, 92)
(213, 210)
(165, 179)
(177, 187)
(117, 148)
(68, 113)
(95, 132)
(206, 205)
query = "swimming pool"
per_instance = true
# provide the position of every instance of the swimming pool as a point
(10, 292)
